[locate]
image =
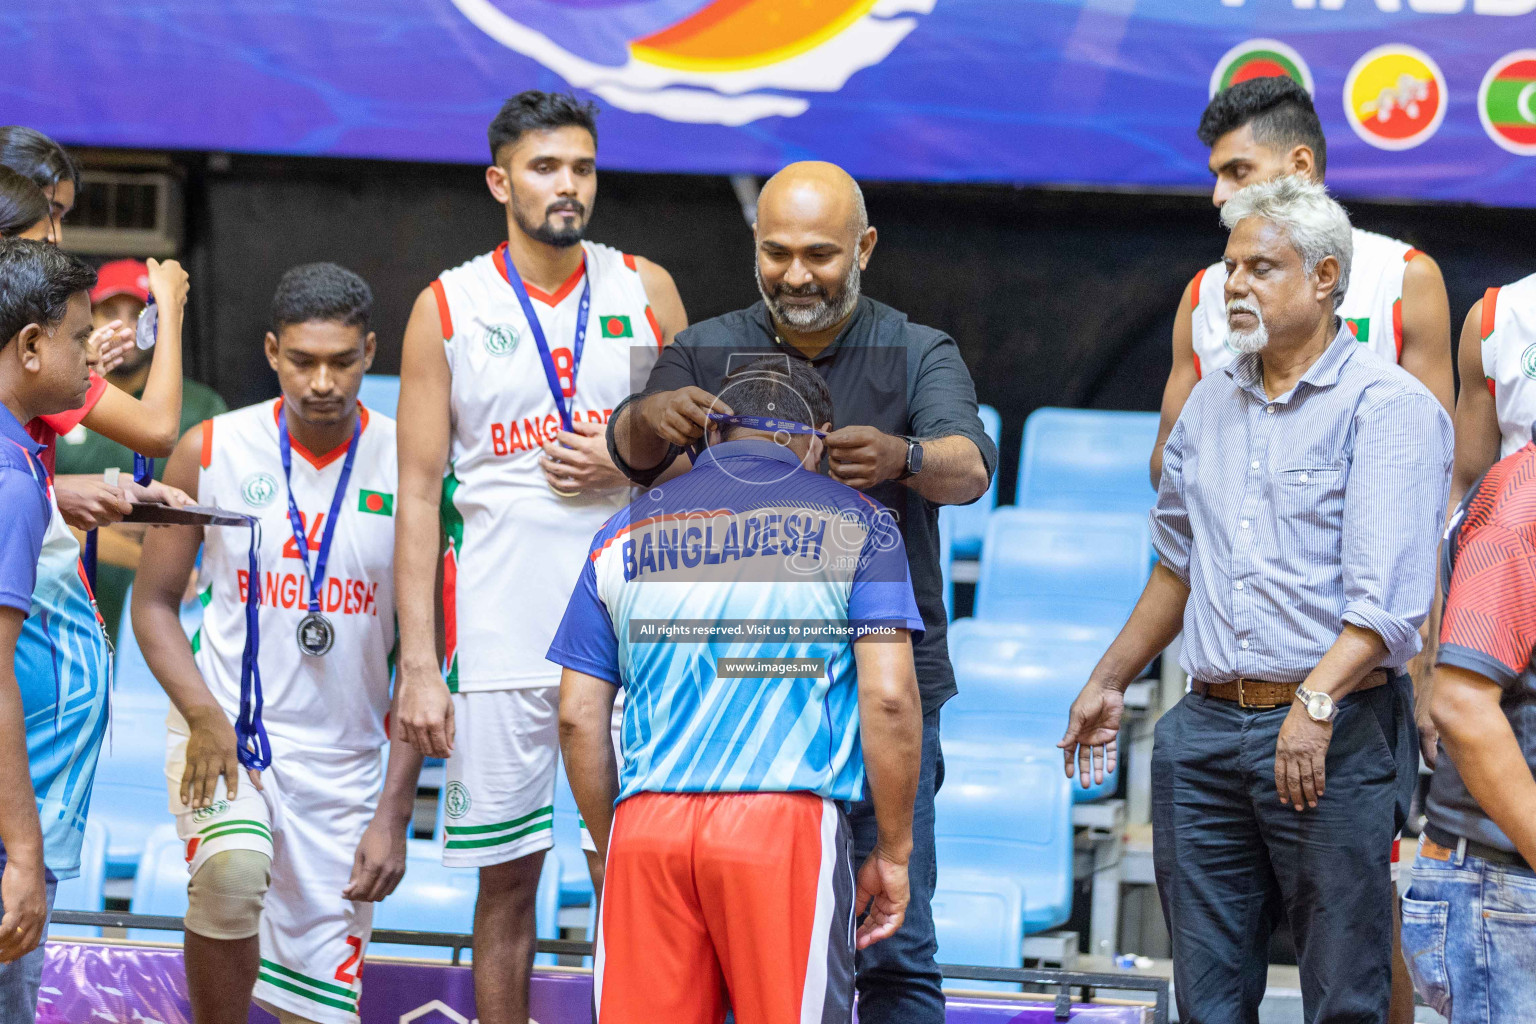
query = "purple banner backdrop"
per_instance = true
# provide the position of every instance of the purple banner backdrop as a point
(89, 983)
(1427, 99)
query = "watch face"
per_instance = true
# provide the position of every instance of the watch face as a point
(915, 458)
(1320, 705)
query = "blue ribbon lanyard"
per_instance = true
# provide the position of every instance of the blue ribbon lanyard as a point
(763, 423)
(316, 578)
(251, 745)
(551, 374)
(143, 473)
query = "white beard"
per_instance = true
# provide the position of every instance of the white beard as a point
(1249, 341)
(813, 318)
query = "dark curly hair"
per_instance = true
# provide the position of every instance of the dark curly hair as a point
(1279, 110)
(777, 387)
(535, 111)
(321, 291)
(37, 280)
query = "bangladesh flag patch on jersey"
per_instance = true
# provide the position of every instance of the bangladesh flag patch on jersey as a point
(1360, 327)
(617, 327)
(376, 502)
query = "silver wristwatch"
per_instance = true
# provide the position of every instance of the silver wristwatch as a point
(1319, 706)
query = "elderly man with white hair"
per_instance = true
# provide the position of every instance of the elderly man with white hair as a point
(1302, 493)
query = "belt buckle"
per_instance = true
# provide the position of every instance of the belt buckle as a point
(1242, 699)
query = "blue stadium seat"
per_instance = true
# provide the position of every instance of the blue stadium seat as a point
(1017, 681)
(1007, 812)
(160, 887)
(1078, 568)
(968, 523)
(979, 920)
(85, 890)
(430, 898)
(133, 685)
(1088, 460)
(382, 392)
(129, 795)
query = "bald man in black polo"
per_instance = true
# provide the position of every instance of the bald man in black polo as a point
(917, 444)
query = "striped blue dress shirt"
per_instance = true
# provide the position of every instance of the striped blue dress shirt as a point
(1289, 517)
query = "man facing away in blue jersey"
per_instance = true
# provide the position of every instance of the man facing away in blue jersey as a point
(759, 618)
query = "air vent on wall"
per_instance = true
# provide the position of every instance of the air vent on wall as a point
(125, 213)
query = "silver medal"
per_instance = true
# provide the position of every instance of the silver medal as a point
(315, 634)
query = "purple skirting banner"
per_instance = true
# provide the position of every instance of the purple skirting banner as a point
(101, 983)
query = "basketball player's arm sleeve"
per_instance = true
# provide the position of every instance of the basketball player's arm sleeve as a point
(1171, 534)
(674, 369)
(943, 407)
(1488, 628)
(585, 640)
(22, 540)
(881, 595)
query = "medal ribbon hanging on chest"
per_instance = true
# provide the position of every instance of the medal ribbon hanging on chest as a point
(551, 372)
(315, 634)
(251, 745)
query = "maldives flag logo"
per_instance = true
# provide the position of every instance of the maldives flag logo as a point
(1395, 97)
(1507, 102)
(1260, 58)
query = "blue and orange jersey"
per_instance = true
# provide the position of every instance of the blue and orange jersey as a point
(726, 602)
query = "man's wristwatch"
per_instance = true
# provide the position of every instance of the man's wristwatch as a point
(914, 463)
(1318, 706)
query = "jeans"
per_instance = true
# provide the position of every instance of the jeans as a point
(898, 978)
(1231, 859)
(1469, 936)
(21, 979)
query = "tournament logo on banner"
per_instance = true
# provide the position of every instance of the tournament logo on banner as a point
(1260, 58)
(725, 62)
(1507, 102)
(1395, 97)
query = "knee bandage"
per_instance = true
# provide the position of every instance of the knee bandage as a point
(225, 895)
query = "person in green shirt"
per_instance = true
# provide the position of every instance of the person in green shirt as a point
(121, 292)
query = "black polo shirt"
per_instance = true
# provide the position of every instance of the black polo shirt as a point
(884, 372)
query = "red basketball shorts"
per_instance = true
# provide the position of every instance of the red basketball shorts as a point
(716, 900)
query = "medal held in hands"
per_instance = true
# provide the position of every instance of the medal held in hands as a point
(315, 634)
(563, 403)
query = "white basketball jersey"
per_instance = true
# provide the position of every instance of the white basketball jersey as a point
(515, 548)
(1509, 359)
(337, 700)
(1373, 305)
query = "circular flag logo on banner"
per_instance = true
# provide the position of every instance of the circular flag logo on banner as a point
(1507, 102)
(1260, 58)
(1395, 97)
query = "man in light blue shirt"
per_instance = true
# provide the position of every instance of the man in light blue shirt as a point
(45, 361)
(1297, 517)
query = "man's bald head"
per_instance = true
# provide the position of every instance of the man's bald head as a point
(816, 191)
(813, 241)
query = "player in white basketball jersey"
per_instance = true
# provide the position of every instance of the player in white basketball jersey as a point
(1497, 403)
(1396, 302)
(283, 868)
(512, 364)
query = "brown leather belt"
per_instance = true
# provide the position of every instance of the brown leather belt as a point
(1263, 695)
